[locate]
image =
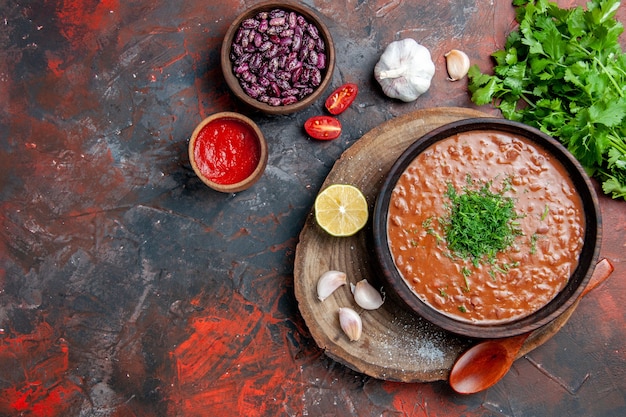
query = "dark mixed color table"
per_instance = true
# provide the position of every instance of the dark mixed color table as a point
(128, 288)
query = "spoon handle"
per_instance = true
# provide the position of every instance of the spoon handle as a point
(603, 269)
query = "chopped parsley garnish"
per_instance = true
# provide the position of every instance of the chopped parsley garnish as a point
(546, 210)
(533, 243)
(430, 229)
(466, 273)
(481, 223)
(504, 268)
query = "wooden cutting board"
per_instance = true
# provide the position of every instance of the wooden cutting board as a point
(396, 345)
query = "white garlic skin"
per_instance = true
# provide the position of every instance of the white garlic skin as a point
(328, 282)
(350, 323)
(457, 63)
(366, 296)
(405, 70)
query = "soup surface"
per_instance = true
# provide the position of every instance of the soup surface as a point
(540, 242)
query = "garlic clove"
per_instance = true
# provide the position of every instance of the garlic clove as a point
(366, 296)
(351, 323)
(458, 64)
(328, 282)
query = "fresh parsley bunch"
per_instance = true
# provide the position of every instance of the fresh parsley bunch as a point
(563, 71)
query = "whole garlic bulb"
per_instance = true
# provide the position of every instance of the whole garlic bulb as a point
(405, 70)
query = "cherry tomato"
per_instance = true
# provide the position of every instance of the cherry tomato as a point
(341, 98)
(323, 127)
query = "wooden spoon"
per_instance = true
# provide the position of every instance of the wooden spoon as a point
(483, 365)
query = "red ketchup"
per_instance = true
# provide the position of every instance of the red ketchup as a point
(227, 151)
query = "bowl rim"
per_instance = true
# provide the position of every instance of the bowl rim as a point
(263, 156)
(233, 82)
(561, 302)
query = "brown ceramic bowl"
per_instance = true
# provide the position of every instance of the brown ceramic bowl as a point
(400, 288)
(228, 152)
(227, 64)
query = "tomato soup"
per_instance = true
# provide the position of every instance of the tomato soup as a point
(542, 253)
(227, 151)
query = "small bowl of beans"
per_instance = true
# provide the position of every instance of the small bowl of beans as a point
(278, 57)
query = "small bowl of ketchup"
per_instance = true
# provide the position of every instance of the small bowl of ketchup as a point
(228, 152)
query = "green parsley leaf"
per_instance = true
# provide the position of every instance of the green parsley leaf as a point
(563, 71)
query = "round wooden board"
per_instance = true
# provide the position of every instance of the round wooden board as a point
(396, 345)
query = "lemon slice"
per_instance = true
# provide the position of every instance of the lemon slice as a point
(341, 210)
